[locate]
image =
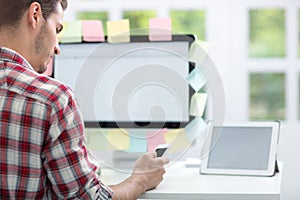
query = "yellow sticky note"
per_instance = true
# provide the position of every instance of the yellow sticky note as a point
(198, 51)
(118, 31)
(198, 103)
(178, 140)
(119, 138)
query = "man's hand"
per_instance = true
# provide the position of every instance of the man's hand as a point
(147, 174)
(149, 170)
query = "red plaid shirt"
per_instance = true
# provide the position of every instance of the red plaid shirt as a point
(42, 150)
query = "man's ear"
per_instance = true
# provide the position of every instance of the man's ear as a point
(35, 14)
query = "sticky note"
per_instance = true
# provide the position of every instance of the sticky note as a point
(49, 70)
(118, 31)
(178, 140)
(160, 29)
(92, 31)
(198, 51)
(196, 129)
(72, 32)
(138, 141)
(119, 138)
(155, 138)
(96, 140)
(198, 103)
(196, 80)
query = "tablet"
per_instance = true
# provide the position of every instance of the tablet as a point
(241, 149)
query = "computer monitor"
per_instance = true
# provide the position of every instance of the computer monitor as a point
(140, 84)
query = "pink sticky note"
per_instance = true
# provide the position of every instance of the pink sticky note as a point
(155, 138)
(160, 29)
(92, 31)
(49, 69)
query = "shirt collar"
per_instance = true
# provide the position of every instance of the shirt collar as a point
(10, 55)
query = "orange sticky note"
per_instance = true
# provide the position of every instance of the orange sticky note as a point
(160, 29)
(92, 31)
(155, 138)
(118, 31)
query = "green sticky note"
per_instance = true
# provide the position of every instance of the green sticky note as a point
(198, 103)
(198, 51)
(178, 140)
(72, 32)
(138, 141)
(119, 138)
(96, 140)
(118, 31)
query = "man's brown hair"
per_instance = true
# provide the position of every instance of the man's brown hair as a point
(11, 11)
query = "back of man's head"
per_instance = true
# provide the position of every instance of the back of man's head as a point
(11, 11)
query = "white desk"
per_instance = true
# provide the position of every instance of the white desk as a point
(186, 183)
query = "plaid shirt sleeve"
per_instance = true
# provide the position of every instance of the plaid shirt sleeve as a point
(69, 169)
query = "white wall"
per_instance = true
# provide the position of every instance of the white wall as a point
(289, 148)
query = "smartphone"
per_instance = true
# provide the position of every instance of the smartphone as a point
(162, 149)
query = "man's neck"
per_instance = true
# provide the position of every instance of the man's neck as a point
(14, 40)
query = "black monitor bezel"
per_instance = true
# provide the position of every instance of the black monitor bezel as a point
(144, 124)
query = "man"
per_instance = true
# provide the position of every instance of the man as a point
(42, 150)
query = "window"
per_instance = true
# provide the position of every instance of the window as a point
(267, 33)
(139, 20)
(189, 22)
(267, 96)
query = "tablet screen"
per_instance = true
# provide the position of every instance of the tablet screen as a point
(245, 148)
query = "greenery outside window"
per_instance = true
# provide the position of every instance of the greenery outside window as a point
(189, 22)
(267, 96)
(139, 21)
(267, 33)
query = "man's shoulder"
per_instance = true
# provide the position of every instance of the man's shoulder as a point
(40, 87)
(51, 90)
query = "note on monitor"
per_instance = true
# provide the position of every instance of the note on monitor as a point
(118, 31)
(160, 29)
(92, 31)
(129, 85)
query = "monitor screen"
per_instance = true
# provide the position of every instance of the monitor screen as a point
(129, 85)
